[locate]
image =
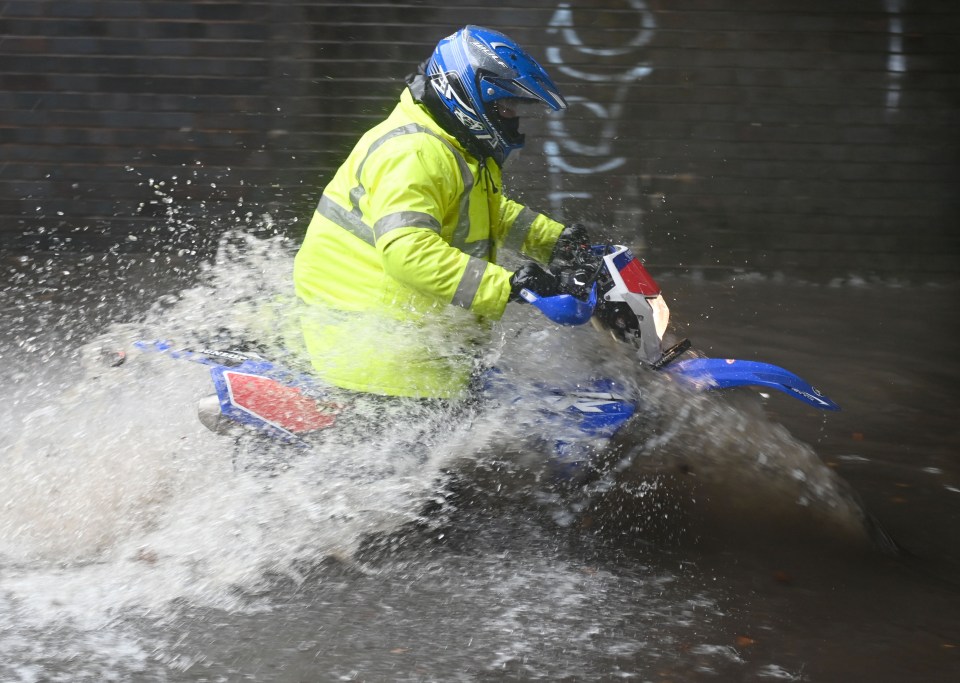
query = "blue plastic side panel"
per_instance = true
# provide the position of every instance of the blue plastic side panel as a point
(576, 422)
(223, 362)
(237, 414)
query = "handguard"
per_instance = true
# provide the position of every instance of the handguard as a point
(564, 309)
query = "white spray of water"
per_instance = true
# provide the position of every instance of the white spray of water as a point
(117, 502)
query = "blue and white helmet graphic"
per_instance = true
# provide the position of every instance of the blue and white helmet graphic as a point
(474, 68)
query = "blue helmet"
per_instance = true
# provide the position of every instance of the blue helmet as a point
(474, 68)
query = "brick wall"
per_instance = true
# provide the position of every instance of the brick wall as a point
(815, 136)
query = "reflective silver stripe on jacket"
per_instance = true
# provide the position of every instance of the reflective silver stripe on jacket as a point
(357, 193)
(356, 224)
(470, 282)
(521, 228)
(348, 220)
(352, 220)
(405, 219)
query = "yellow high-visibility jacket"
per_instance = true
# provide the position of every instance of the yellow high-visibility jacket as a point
(410, 224)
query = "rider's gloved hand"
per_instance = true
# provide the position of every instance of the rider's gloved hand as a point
(574, 238)
(534, 277)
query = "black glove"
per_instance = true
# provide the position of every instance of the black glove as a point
(534, 277)
(574, 238)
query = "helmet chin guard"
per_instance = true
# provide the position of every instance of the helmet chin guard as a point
(476, 67)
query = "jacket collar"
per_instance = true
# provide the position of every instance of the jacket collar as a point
(420, 93)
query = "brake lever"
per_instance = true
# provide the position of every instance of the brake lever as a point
(595, 262)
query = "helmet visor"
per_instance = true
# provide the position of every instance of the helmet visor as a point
(514, 107)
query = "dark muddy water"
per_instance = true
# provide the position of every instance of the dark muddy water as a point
(740, 545)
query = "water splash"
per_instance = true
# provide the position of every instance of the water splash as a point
(118, 501)
(714, 461)
(119, 506)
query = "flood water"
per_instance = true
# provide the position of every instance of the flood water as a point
(746, 540)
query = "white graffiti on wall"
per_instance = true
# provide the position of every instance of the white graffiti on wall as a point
(561, 145)
(896, 60)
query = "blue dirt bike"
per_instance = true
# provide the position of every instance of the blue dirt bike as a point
(605, 284)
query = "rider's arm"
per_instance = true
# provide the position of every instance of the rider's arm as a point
(528, 231)
(407, 218)
(421, 260)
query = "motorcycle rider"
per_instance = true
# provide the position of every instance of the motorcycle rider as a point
(398, 265)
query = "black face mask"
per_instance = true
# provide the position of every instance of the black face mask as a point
(509, 128)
